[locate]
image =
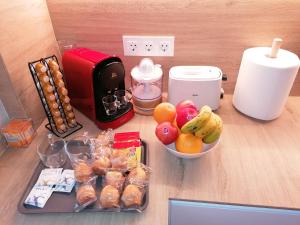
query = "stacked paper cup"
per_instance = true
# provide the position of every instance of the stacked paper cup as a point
(264, 82)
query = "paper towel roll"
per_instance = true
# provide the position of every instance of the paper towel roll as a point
(264, 83)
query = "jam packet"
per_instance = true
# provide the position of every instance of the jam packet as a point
(49, 177)
(38, 196)
(129, 144)
(66, 182)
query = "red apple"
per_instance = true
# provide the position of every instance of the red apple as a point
(185, 104)
(184, 115)
(166, 132)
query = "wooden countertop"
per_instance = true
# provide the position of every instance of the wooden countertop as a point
(255, 163)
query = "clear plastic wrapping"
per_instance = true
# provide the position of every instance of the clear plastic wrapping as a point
(101, 164)
(119, 160)
(83, 171)
(115, 179)
(122, 180)
(132, 196)
(85, 194)
(139, 175)
(109, 198)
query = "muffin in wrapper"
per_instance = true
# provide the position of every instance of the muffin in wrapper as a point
(85, 194)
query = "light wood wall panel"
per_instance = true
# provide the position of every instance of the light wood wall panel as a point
(207, 32)
(26, 35)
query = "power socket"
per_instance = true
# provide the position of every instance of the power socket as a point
(148, 45)
(164, 46)
(132, 46)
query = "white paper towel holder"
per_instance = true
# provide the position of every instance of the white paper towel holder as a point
(262, 89)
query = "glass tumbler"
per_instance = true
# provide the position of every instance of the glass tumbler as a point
(79, 150)
(122, 98)
(51, 151)
(110, 104)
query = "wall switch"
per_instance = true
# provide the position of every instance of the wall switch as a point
(148, 45)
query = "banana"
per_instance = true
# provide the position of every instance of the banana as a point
(216, 132)
(204, 116)
(198, 121)
(208, 128)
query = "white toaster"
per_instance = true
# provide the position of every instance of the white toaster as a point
(201, 84)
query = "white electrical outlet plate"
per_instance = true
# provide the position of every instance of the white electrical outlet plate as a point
(148, 45)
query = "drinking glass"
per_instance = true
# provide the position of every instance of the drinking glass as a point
(51, 151)
(110, 104)
(79, 149)
(122, 98)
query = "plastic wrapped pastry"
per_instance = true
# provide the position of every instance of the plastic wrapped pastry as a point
(85, 193)
(132, 196)
(100, 165)
(109, 197)
(119, 160)
(139, 176)
(83, 172)
(103, 150)
(114, 178)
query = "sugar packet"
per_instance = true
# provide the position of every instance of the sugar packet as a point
(38, 196)
(66, 182)
(49, 177)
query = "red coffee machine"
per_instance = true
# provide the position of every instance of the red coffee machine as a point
(95, 81)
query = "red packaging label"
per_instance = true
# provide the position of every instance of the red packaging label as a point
(126, 136)
(120, 145)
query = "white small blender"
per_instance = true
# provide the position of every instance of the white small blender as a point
(146, 85)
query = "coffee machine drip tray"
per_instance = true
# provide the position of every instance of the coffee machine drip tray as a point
(103, 117)
(114, 121)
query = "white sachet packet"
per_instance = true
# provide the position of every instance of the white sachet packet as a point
(38, 196)
(49, 177)
(66, 181)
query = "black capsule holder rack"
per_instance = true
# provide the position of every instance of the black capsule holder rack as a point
(51, 126)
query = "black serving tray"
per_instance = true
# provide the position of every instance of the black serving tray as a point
(60, 202)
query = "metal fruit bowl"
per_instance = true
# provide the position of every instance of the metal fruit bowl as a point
(206, 148)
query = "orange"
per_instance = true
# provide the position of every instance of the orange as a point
(189, 143)
(174, 123)
(164, 112)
